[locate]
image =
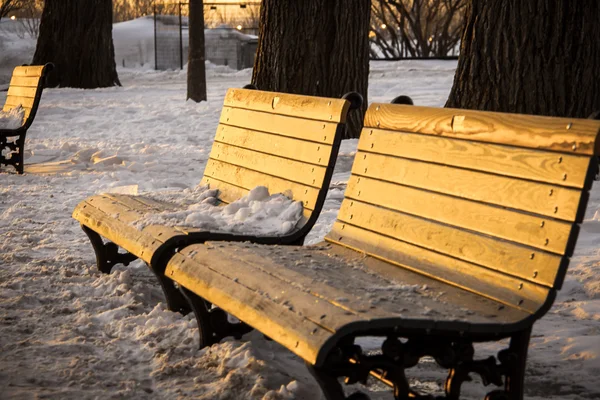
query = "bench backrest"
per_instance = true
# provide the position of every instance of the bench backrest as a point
(25, 89)
(288, 143)
(489, 202)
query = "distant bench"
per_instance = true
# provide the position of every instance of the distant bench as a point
(456, 227)
(288, 143)
(25, 90)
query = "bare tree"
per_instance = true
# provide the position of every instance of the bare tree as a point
(532, 57)
(8, 6)
(196, 74)
(416, 28)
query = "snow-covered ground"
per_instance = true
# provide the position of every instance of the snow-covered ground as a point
(69, 332)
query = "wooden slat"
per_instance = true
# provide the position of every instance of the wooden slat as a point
(115, 209)
(316, 131)
(281, 146)
(25, 81)
(30, 70)
(486, 282)
(253, 271)
(228, 193)
(117, 230)
(274, 261)
(543, 233)
(249, 179)
(131, 202)
(317, 108)
(298, 334)
(20, 91)
(310, 175)
(540, 198)
(26, 102)
(517, 260)
(545, 166)
(569, 135)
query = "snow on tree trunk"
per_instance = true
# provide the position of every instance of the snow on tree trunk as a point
(533, 57)
(76, 35)
(315, 47)
(196, 74)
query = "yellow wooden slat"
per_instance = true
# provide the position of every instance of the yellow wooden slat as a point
(301, 150)
(316, 131)
(490, 283)
(30, 70)
(569, 135)
(299, 335)
(20, 91)
(248, 179)
(544, 166)
(544, 233)
(540, 198)
(25, 102)
(517, 260)
(25, 81)
(310, 107)
(310, 175)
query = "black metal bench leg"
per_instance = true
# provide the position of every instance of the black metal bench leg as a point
(515, 376)
(175, 299)
(107, 254)
(212, 322)
(331, 387)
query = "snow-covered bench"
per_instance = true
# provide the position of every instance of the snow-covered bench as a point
(20, 107)
(456, 227)
(286, 143)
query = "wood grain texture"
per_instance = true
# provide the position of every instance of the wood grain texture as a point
(567, 135)
(279, 290)
(315, 131)
(298, 334)
(300, 150)
(249, 179)
(25, 81)
(270, 165)
(20, 91)
(29, 70)
(514, 292)
(540, 198)
(310, 107)
(510, 258)
(537, 231)
(25, 102)
(543, 166)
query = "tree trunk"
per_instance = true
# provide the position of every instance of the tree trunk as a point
(315, 47)
(532, 57)
(76, 35)
(196, 74)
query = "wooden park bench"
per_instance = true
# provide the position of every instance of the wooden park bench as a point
(456, 227)
(288, 143)
(25, 90)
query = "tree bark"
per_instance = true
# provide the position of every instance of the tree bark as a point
(196, 74)
(76, 35)
(315, 47)
(532, 57)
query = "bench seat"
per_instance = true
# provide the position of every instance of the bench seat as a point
(287, 143)
(456, 227)
(320, 294)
